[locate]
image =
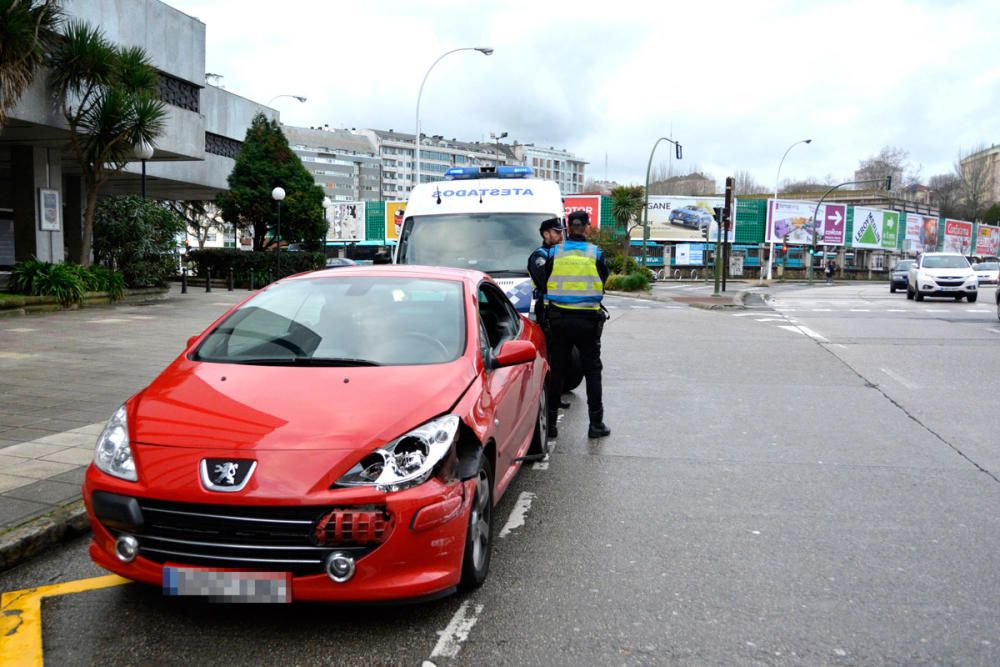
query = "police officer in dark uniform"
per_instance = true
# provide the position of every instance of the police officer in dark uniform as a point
(552, 235)
(575, 274)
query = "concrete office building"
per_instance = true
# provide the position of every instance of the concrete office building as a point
(554, 164)
(193, 157)
(345, 164)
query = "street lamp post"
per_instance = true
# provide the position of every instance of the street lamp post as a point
(277, 194)
(645, 205)
(770, 254)
(144, 151)
(498, 137)
(485, 50)
(300, 98)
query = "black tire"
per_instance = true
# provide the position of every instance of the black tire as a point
(479, 533)
(918, 296)
(972, 298)
(958, 297)
(909, 293)
(540, 438)
(892, 289)
(998, 308)
(574, 374)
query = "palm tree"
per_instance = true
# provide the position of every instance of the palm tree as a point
(110, 98)
(27, 33)
(626, 208)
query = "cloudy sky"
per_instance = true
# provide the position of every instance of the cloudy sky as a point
(736, 82)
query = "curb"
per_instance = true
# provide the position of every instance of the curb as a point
(29, 539)
(737, 302)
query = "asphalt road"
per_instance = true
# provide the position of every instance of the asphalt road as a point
(814, 481)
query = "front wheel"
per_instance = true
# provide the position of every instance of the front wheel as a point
(919, 296)
(972, 298)
(909, 293)
(479, 535)
(892, 289)
(540, 439)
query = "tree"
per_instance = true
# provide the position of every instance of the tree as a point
(945, 194)
(110, 99)
(265, 162)
(27, 33)
(200, 217)
(975, 182)
(992, 215)
(747, 185)
(137, 237)
(890, 161)
(627, 202)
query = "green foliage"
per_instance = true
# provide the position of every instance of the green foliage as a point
(242, 262)
(627, 202)
(137, 237)
(27, 31)
(992, 215)
(265, 162)
(632, 282)
(68, 282)
(110, 98)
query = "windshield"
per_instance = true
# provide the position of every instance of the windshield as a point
(343, 321)
(491, 242)
(986, 266)
(945, 262)
(903, 265)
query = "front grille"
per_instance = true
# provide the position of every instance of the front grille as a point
(950, 282)
(279, 539)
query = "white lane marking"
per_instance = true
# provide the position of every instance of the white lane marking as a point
(822, 310)
(861, 310)
(109, 320)
(770, 319)
(743, 314)
(900, 379)
(812, 334)
(995, 330)
(896, 310)
(842, 347)
(935, 310)
(21, 330)
(518, 514)
(450, 639)
(977, 310)
(639, 307)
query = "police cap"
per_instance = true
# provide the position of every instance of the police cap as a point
(552, 223)
(579, 218)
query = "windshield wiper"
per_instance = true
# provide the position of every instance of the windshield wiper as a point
(300, 361)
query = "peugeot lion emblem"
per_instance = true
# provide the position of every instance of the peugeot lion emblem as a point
(225, 474)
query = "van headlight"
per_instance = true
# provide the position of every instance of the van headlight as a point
(408, 460)
(113, 454)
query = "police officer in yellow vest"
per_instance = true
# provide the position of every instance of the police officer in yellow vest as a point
(575, 276)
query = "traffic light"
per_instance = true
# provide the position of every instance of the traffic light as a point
(888, 183)
(678, 151)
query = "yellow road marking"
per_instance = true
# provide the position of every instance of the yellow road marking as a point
(21, 617)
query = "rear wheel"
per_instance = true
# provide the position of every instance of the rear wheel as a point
(479, 535)
(540, 439)
(892, 288)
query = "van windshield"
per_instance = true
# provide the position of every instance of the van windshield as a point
(496, 243)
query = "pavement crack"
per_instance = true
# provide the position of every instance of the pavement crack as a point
(871, 385)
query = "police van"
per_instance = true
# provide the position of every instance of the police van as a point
(481, 218)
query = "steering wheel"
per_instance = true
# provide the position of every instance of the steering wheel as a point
(429, 341)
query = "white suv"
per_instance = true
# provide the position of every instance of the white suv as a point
(942, 274)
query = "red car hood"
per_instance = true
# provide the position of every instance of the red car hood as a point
(229, 406)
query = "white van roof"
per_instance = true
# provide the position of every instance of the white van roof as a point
(486, 195)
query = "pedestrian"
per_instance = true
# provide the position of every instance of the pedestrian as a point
(575, 274)
(831, 266)
(551, 231)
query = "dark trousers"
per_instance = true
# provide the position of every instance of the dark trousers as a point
(568, 329)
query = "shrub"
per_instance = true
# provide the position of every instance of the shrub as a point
(67, 282)
(138, 238)
(61, 281)
(24, 275)
(633, 282)
(242, 263)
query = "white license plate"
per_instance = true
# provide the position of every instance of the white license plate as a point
(228, 586)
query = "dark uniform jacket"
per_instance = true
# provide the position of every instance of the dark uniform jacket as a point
(537, 261)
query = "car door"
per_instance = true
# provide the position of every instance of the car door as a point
(499, 322)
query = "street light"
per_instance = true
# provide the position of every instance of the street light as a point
(770, 254)
(277, 195)
(498, 137)
(678, 151)
(300, 98)
(485, 50)
(144, 151)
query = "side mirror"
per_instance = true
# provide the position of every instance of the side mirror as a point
(192, 339)
(515, 352)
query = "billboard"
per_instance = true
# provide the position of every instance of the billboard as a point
(679, 218)
(791, 221)
(958, 236)
(394, 213)
(987, 241)
(347, 221)
(875, 229)
(921, 233)
(589, 203)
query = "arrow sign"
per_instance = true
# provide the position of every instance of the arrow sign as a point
(834, 230)
(836, 217)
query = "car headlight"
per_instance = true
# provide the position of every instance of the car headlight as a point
(408, 460)
(113, 454)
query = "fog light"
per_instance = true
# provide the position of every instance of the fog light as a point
(340, 566)
(126, 548)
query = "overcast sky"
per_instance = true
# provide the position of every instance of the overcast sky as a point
(737, 82)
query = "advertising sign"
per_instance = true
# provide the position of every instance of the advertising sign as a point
(49, 210)
(395, 211)
(988, 241)
(958, 236)
(921, 233)
(792, 222)
(589, 203)
(679, 218)
(347, 221)
(875, 228)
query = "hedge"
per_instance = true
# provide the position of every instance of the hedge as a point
(220, 260)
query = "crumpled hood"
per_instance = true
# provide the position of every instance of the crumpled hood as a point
(241, 407)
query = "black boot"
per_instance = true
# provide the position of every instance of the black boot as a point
(597, 428)
(564, 405)
(553, 429)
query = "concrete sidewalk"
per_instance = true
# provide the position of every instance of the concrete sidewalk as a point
(62, 375)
